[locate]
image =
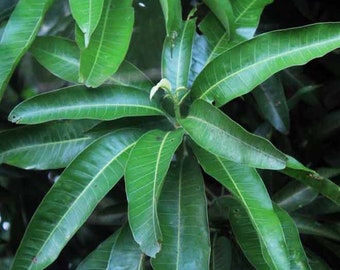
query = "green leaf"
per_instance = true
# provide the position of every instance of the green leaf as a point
(207, 125)
(272, 102)
(73, 197)
(240, 69)
(172, 11)
(294, 196)
(247, 186)
(297, 255)
(176, 59)
(77, 102)
(182, 211)
(311, 178)
(87, 15)
(145, 171)
(129, 75)
(223, 11)
(109, 43)
(247, 15)
(119, 251)
(220, 253)
(47, 146)
(59, 55)
(18, 35)
(310, 226)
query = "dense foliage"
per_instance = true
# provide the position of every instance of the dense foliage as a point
(168, 135)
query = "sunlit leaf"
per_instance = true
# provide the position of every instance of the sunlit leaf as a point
(223, 11)
(218, 134)
(172, 11)
(247, 186)
(182, 217)
(252, 62)
(77, 102)
(87, 15)
(145, 171)
(60, 56)
(47, 146)
(109, 43)
(73, 197)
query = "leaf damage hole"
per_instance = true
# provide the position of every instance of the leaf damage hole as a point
(34, 259)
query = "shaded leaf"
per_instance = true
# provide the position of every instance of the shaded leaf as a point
(182, 211)
(59, 55)
(119, 251)
(207, 125)
(172, 11)
(310, 178)
(144, 176)
(77, 102)
(18, 35)
(252, 62)
(176, 59)
(47, 146)
(247, 186)
(220, 253)
(73, 197)
(272, 103)
(109, 43)
(87, 15)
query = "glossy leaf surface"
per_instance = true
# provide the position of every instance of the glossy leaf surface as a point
(73, 197)
(247, 186)
(247, 15)
(77, 102)
(119, 251)
(109, 43)
(144, 177)
(272, 103)
(176, 59)
(223, 11)
(47, 146)
(18, 35)
(207, 125)
(60, 56)
(266, 55)
(87, 15)
(309, 177)
(183, 219)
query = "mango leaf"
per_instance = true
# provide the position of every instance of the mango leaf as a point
(144, 176)
(87, 15)
(119, 251)
(272, 102)
(220, 253)
(223, 10)
(182, 211)
(47, 146)
(217, 133)
(247, 15)
(297, 255)
(129, 75)
(59, 55)
(176, 59)
(172, 11)
(294, 196)
(247, 186)
(231, 74)
(109, 43)
(73, 197)
(311, 178)
(18, 35)
(310, 226)
(77, 102)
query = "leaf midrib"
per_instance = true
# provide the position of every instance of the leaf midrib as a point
(307, 47)
(65, 59)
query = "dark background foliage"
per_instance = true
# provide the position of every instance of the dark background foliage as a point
(313, 138)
